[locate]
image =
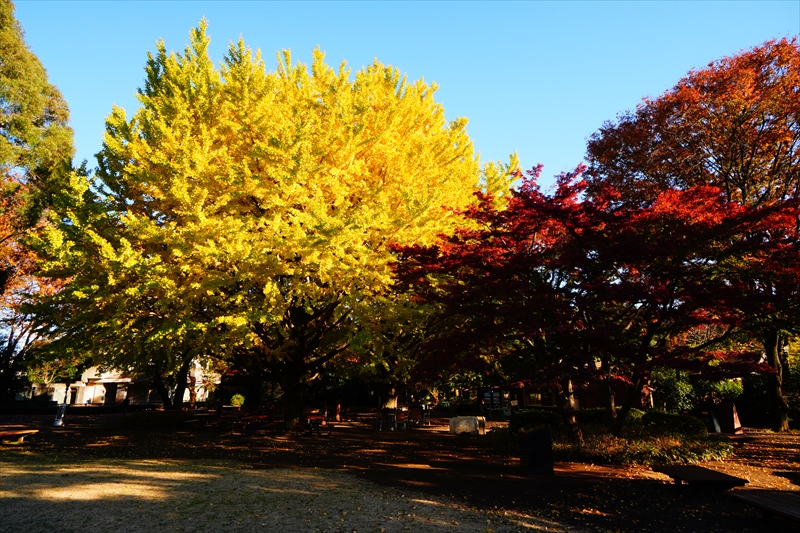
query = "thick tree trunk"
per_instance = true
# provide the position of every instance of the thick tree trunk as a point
(773, 344)
(192, 391)
(180, 385)
(565, 400)
(294, 400)
(634, 395)
(163, 391)
(252, 398)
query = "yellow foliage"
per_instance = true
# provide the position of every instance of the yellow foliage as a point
(241, 193)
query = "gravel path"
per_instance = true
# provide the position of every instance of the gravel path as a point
(160, 496)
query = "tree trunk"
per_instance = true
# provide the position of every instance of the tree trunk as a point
(294, 400)
(610, 404)
(634, 395)
(180, 385)
(192, 391)
(252, 398)
(773, 344)
(163, 391)
(565, 399)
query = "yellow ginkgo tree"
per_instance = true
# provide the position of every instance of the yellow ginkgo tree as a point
(248, 215)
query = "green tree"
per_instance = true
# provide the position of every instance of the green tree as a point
(35, 141)
(249, 213)
(35, 154)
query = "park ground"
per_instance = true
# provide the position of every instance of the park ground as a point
(98, 474)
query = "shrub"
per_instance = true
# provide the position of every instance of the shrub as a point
(533, 417)
(237, 399)
(597, 415)
(673, 424)
(635, 416)
(674, 392)
(666, 449)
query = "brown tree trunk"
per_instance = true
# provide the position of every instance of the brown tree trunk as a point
(163, 391)
(773, 344)
(634, 395)
(610, 403)
(192, 391)
(294, 400)
(180, 385)
(565, 399)
(252, 399)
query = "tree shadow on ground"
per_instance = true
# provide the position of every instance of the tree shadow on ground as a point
(466, 468)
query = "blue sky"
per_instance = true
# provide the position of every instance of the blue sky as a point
(533, 77)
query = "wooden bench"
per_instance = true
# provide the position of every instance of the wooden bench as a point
(699, 476)
(781, 502)
(21, 433)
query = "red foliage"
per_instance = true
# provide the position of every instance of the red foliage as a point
(734, 124)
(552, 285)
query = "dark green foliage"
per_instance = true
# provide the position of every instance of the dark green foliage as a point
(35, 140)
(534, 417)
(673, 390)
(673, 424)
(717, 391)
(597, 415)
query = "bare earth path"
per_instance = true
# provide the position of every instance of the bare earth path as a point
(96, 475)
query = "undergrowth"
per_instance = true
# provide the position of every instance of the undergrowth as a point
(675, 442)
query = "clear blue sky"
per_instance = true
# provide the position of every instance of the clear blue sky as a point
(533, 77)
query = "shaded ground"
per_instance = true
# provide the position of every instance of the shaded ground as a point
(465, 469)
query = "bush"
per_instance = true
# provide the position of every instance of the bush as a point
(597, 415)
(673, 424)
(237, 400)
(674, 391)
(533, 417)
(635, 416)
(668, 449)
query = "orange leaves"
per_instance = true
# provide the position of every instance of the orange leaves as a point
(733, 125)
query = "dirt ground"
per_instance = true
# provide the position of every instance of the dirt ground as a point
(415, 480)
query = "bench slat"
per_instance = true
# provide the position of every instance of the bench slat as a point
(784, 503)
(698, 474)
(15, 432)
(21, 433)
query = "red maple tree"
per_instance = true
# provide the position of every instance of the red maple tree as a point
(567, 289)
(735, 125)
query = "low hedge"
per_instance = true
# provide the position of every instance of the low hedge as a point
(597, 415)
(673, 424)
(669, 449)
